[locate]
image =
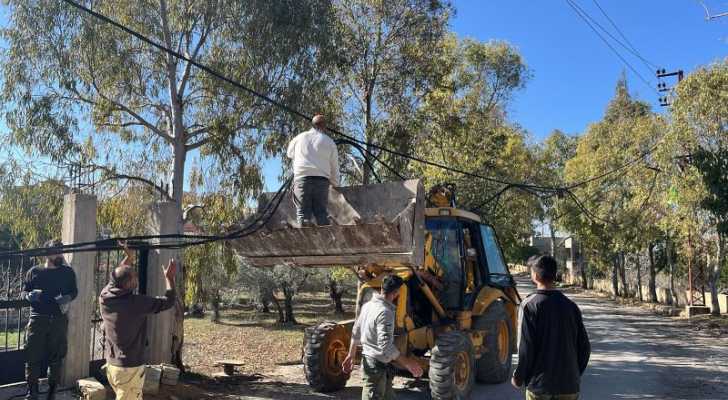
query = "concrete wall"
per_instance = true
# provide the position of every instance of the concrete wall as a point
(605, 286)
(79, 225)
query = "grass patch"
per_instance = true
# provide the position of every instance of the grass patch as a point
(13, 338)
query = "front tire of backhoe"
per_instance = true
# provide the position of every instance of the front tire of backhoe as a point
(452, 367)
(494, 365)
(324, 349)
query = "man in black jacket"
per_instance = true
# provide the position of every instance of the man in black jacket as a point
(125, 324)
(49, 288)
(553, 349)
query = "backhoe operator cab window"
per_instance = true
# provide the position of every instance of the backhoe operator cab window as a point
(496, 266)
(447, 251)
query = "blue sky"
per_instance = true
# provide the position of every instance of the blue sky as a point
(574, 72)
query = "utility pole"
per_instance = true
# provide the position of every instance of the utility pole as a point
(663, 87)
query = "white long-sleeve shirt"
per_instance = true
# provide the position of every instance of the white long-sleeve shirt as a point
(374, 329)
(314, 154)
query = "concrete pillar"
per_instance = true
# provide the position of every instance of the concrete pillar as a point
(79, 225)
(162, 220)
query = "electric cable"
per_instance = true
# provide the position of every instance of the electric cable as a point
(648, 64)
(578, 10)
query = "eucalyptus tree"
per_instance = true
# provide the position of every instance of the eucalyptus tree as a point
(69, 79)
(385, 57)
(463, 124)
(700, 137)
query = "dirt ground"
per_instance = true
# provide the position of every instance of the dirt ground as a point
(636, 355)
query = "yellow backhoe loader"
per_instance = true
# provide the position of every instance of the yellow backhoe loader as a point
(457, 312)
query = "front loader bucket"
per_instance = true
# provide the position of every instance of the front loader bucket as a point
(372, 224)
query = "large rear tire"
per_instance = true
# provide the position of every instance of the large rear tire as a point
(452, 367)
(324, 349)
(494, 365)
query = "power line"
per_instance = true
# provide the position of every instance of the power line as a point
(583, 16)
(286, 108)
(529, 188)
(650, 66)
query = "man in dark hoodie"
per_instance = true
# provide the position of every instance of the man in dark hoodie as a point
(125, 324)
(553, 348)
(49, 288)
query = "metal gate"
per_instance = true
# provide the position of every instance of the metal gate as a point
(14, 315)
(15, 312)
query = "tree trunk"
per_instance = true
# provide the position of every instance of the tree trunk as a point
(336, 296)
(215, 308)
(638, 265)
(367, 136)
(623, 275)
(264, 307)
(672, 298)
(615, 269)
(582, 268)
(715, 276)
(179, 151)
(653, 273)
(281, 317)
(553, 249)
(288, 303)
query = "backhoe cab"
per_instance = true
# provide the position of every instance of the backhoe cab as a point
(456, 313)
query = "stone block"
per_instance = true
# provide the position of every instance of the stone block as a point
(170, 374)
(152, 378)
(692, 311)
(91, 389)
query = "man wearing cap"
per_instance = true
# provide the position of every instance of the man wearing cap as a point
(374, 331)
(125, 323)
(49, 288)
(315, 162)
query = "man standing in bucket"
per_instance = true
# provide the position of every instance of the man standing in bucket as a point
(49, 288)
(315, 162)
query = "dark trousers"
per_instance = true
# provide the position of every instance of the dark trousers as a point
(311, 196)
(377, 380)
(47, 340)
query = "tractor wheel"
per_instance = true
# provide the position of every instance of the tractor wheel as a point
(494, 365)
(452, 367)
(324, 349)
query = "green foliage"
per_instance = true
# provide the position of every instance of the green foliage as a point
(149, 110)
(384, 67)
(464, 125)
(31, 212)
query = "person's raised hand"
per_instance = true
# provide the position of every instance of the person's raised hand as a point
(170, 271)
(348, 365)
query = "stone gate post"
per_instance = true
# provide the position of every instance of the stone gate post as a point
(79, 225)
(162, 220)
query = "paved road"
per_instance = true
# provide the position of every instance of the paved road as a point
(637, 355)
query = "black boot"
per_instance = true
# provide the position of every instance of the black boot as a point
(32, 393)
(51, 392)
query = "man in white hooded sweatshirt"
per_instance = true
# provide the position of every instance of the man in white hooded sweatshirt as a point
(315, 167)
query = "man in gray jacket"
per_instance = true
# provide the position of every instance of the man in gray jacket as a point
(374, 331)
